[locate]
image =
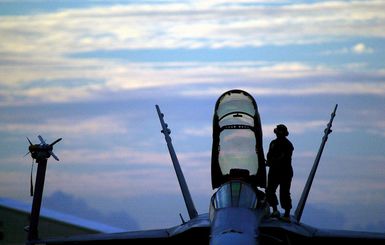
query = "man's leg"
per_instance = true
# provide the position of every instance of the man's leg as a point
(272, 186)
(284, 196)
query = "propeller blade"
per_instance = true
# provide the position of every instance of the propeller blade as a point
(55, 141)
(41, 140)
(53, 155)
(30, 143)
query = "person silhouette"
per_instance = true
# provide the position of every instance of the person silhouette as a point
(280, 172)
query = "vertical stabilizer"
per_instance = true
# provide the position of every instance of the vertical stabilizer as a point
(182, 182)
(306, 189)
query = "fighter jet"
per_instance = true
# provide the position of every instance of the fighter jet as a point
(239, 212)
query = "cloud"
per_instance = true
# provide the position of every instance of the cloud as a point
(340, 88)
(89, 80)
(117, 155)
(199, 132)
(188, 25)
(69, 204)
(37, 65)
(68, 126)
(295, 127)
(361, 48)
(15, 184)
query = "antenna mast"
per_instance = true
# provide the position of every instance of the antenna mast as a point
(39, 152)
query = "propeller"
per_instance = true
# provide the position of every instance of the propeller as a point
(40, 151)
(29, 152)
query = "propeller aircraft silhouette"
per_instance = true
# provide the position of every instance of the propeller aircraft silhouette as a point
(42, 150)
(39, 152)
(239, 212)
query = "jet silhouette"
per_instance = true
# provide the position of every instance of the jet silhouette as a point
(239, 212)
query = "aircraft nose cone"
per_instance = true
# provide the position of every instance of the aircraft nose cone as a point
(233, 238)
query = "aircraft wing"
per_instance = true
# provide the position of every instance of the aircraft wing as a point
(274, 231)
(354, 236)
(196, 231)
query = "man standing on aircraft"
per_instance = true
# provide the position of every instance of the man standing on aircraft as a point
(280, 171)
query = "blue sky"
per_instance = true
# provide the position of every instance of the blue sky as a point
(92, 73)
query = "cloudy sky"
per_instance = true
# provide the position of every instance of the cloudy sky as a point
(91, 72)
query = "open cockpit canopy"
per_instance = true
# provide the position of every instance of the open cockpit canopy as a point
(237, 151)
